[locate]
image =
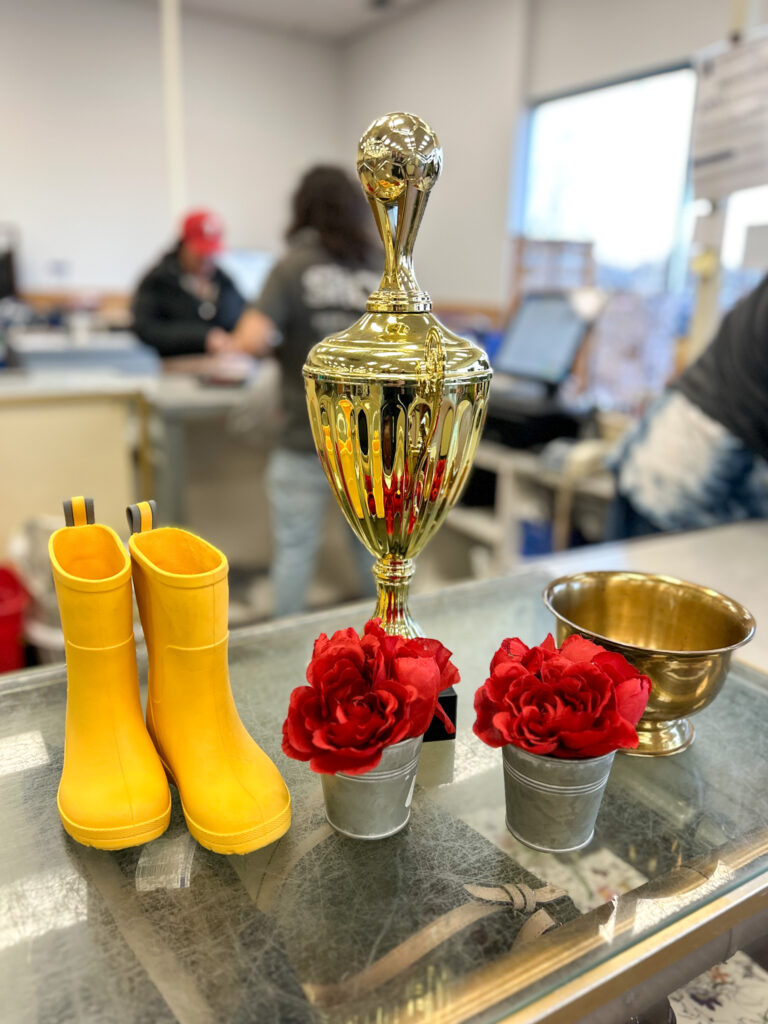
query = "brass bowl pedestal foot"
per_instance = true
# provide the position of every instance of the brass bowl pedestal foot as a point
(661, 738)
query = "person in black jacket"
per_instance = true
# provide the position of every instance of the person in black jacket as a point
(699, 457)
(186, 304)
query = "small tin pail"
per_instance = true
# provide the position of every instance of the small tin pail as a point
(377, 804)
(552, 802)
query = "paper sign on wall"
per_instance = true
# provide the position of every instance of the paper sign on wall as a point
(730, 137)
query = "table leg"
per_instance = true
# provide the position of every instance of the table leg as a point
(563, 517)
(507, 515)
(171, 475)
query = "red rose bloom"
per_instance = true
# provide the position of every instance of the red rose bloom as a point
(364, 694)
(578, 701)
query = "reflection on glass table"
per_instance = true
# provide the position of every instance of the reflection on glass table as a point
(449, 920)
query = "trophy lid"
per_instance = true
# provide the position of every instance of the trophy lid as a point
(398, 161)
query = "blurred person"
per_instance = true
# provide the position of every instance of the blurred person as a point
(699, 456)
(320, 286)
(186, 304)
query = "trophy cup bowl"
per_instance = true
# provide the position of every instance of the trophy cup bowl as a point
(680, 634)
(397, 402)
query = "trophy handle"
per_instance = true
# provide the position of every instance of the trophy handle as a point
(431, 386)
(398, 161)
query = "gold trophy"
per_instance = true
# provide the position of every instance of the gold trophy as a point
(397, 402)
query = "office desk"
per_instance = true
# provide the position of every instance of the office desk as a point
(67, 432)
(163, 407)
(177, 402)
(54, 349)
(516, 470)
(448, 921)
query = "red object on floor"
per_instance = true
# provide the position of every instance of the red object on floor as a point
(13, 602)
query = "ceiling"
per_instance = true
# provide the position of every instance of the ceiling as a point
(328, 19)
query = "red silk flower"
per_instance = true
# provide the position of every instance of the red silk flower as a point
(364, 694)
(578, 701)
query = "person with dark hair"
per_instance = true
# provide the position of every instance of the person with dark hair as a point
(320, 286)
(186, 304)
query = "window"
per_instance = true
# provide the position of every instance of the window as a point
(744, 208)
(610, 166)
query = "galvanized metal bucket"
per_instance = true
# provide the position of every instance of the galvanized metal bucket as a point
(552, 802)
(377, 804)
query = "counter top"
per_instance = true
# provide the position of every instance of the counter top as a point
(169, 391)
(449, 920)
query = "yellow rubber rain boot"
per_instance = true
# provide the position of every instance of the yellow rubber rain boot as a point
(234, 798)
(113, 791)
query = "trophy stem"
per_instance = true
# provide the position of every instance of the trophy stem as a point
(393, 580)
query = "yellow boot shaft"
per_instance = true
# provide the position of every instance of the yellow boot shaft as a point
(181, 589)
(92, 575)
(113, 792)
(233, 796)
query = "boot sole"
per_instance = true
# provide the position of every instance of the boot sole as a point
(236, 842)
(136, 834)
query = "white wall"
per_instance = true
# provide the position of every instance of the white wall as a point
(82, 148)
(579, 42)
(469, 69)
(260, 107)
(81, 138)
(82, 154)
(458, 65)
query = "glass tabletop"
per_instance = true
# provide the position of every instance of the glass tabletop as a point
(451, 914)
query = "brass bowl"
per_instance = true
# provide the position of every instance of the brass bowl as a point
(680, 634)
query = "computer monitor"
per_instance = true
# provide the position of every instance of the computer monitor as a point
(7, 274)
(248, 268)
(541, 340)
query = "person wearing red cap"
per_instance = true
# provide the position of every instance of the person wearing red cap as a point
(186, 304)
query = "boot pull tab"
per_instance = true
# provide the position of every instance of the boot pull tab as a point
(141, 517)
(79, 512)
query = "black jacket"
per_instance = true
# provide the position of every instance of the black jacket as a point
(168, 316)
(729, 380)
